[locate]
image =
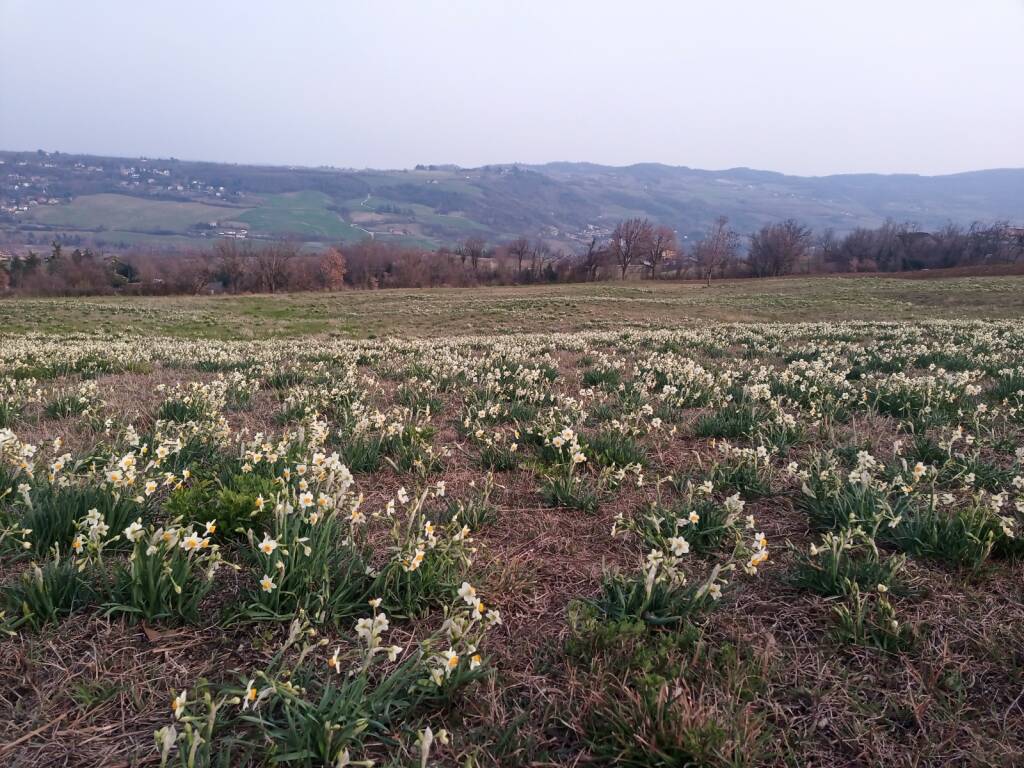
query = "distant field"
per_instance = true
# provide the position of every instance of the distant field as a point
(116, 237)
(116, 219)
(131, 214)
(452, 311)
(453, 223)
(302, 213)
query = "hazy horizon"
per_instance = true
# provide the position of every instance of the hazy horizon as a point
(796, 87)
(327, 166)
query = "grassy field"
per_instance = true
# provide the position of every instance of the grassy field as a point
(120, 237)
(604, 306)
(123, 218)
(302, 213)
(130, 214)
(773, 523)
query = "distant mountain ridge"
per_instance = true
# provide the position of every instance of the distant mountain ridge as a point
(126, 201)
(750, 197)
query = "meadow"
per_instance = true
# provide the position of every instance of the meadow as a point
(304, 213)
(523, 309)
(762, 523)
(131, 219)
(115, 212)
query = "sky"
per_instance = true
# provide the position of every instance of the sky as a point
(808, 87)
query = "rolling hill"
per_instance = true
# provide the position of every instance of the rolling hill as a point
(125, 201)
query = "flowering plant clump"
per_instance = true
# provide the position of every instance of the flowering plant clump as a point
(845, 561)
(327, 702)
(669, 588)
(193, 402)
(84, 401)
(15, 395)
(169, 571)
(695, 521)
(424, 559)
(308, 558)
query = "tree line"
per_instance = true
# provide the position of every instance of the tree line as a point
(789, 247)
(635, 248)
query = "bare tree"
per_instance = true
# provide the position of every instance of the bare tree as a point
(661, 242)
(718, 249)
(518, 249)
(273, 266)
(827, 249)
(230, 264)
(683, 263)
(539, 253)
(593, 259)
(474, 248)
(777, 248)
(1014, 237)
(629, 241)
(996, 242)
(893, 241)
(856, 251)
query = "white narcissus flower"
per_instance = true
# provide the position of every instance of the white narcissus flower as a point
(467, 592)
(134, 531)
(679, 546)
(178, 704)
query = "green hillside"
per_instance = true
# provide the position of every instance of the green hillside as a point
(304, 214)
(122, 200)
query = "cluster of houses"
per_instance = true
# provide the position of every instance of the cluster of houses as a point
(25, 183)
(24, 204)
(589, 232)
(134, 177)
(20, 192)
(234, 234)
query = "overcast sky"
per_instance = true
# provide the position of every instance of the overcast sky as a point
(812, 87)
